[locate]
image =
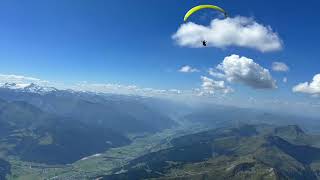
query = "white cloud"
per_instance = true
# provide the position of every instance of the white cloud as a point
(280, 67)
(237, 31)
(246, 71)
(312, 88)
(125, 89)
(211, 87)
(188, 69)
(285, 80)
(11, 78)
(213, 72)
(24, 81)
(175, 91)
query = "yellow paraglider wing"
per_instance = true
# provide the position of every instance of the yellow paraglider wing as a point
(197, 8)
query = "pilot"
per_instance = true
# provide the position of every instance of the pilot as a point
(204, 43)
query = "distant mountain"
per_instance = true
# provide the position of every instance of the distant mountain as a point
(50, 126)
(34, 135)
(125, 114)
(247, 152)
(31, 88)
(225, 116)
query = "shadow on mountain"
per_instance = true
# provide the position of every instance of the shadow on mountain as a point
(5, 169)
(247, 152)
(36, 136)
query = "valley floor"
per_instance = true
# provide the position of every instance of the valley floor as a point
(103, 163)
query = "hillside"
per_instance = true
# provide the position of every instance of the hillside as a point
(124, 114)
(247, 152)
(34, 135)
(47, 126)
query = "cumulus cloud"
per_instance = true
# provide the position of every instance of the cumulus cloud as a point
(246, 71)
(238, 31)
(188, 69)
(280, 67)
(213, 72)
(312, 88)
(211, 87)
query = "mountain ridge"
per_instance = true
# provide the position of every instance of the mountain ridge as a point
(227, 153)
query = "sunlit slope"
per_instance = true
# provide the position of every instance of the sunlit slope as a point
(248, 152)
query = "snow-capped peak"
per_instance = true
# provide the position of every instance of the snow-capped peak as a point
(39, 89)
(14, 85)
(29, 87)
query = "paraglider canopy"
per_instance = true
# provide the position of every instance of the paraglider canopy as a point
(200, 7)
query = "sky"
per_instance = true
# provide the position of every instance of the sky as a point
(265, 52)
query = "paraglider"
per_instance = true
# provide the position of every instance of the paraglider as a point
(204, 43)
(200, 7)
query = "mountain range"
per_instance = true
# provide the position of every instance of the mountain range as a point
(246, 152)
(51, 126)
(62, 128)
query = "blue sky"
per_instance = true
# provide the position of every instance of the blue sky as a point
(130, 42)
